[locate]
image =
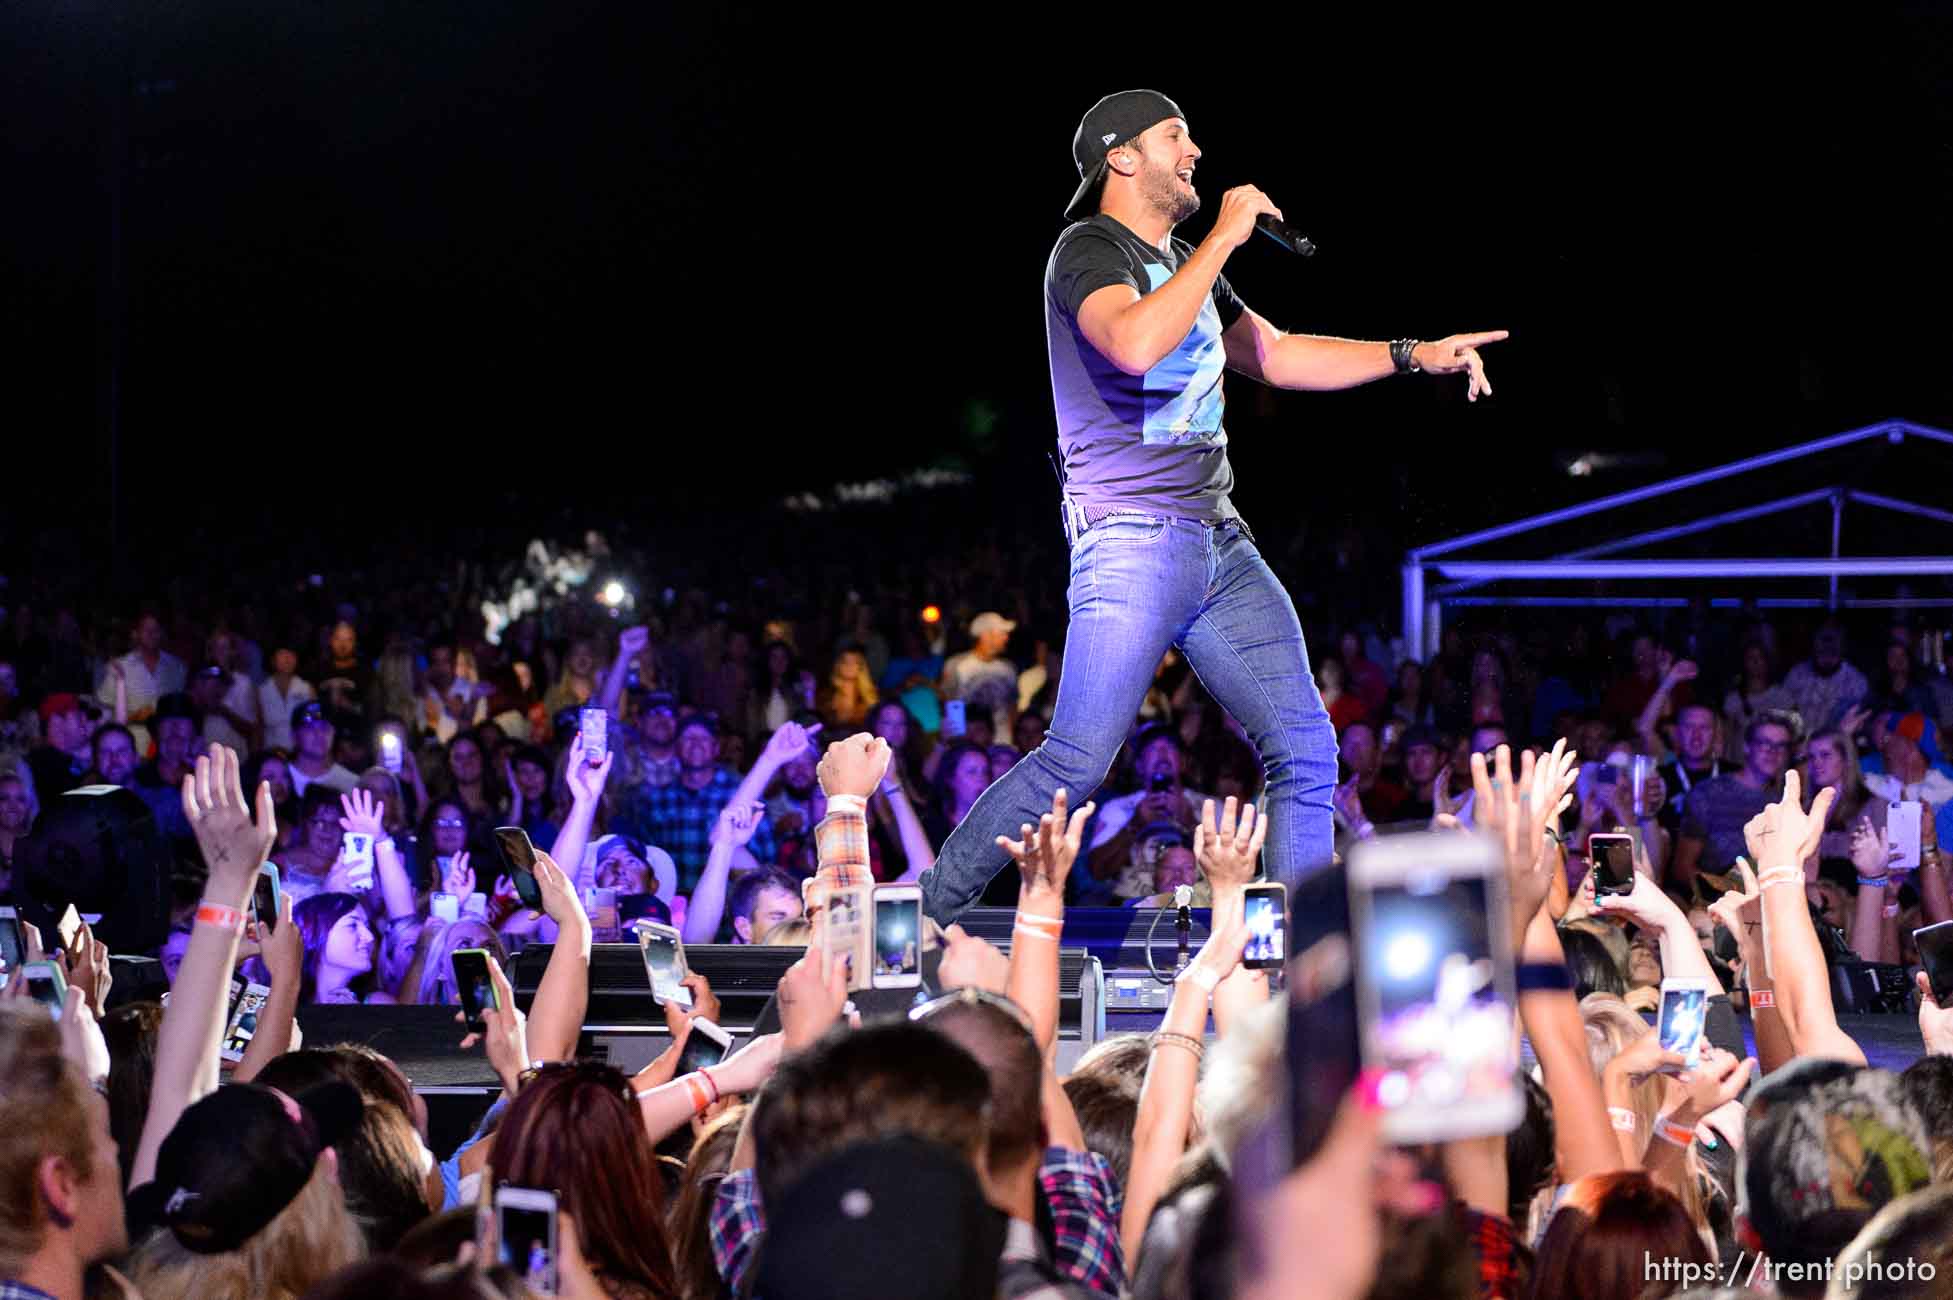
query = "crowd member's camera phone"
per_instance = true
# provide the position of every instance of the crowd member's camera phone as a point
(391, 750)
(664, 962)
(705, 1045)
(593, 725)
(358, 857)
(67, 930)
(46, 985)
(1266, 912)
(1612, 856)
(1684, 1013)
(846, 932)
(898, 937)
(474, 987)
(243, 1026)
(444, 907)
(525, 1233)
(1935, 943)
(1434, 985)
(264, 897)
(519, 859)
(1902, 834)
(956, 719)
(13, 940)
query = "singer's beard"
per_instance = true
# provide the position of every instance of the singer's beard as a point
(1165, 192)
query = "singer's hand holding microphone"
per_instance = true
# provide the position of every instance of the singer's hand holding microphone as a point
(1239, 208)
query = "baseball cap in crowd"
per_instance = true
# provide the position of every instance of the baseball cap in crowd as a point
(57, 704)
(237, 1158)
(1113, 119)
(893, 1218)
(990, 621)
(655, 700)
(1919, 729)
(308, 712)
(1826, 1145)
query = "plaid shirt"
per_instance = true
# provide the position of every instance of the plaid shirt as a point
(1085, 1206)
(1496, 1249)
(680, 821)
(841, 840)
(1023, 1273)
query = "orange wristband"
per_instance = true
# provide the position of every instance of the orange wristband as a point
(224, 918)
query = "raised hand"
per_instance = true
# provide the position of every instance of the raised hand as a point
(790, 742)
(1044, 855)
(1235, 224)
(1935, 1021)
(461, 877)
(1740, 910)
(585, 781)
(1718, 1078)
(506, 1038)
(704, 1001)
(1458, 352)
(631, 642)
(283, 949)
(559, 901)
(853, 766)
(1229, 851)
(738, 823)
(970, 962)
(363, 813)
(1516, 812)
(234, 846)
(811, 995)
(1871, 850)
(89, 969)
(1645, 904)
(1641, 1058)
(1783, 834)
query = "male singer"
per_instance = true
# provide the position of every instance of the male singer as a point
(1140, 326)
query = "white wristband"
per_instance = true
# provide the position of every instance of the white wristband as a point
(1201, 977)
(852, 803)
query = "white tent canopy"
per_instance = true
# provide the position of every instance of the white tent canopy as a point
(1468, 573)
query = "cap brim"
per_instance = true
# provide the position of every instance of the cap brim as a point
(1084, 203)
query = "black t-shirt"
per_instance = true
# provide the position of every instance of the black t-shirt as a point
(1153, 443)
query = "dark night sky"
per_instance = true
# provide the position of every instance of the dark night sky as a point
(638, 253)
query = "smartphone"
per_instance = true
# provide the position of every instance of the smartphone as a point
(357, 854)
(707, 1044)
(390, 750)
(1434, 985)
(594, 725)
(519, 856)
(243, 1025)
(1267, 917)
(898, 937)
(13, 940)
(67, 930)
(1612, 857)
(474, 987)
(1684, 1010)
(845, 932)
(1935, 944)
(46, 985)
(1902, 832)
(525, 1233)
(444, 907)
(955, 718)
(664, 962)
(475, 905)
(265, 895)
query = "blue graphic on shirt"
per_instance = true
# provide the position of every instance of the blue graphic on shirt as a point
(1183, 392)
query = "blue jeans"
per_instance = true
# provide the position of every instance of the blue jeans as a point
(1139, 585)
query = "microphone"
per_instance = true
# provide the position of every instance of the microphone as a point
(1285, 235)
(1183, 922)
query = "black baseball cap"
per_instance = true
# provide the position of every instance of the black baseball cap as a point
(238, 1157)
(891, 1217)
(1115, 118)
(309, 711)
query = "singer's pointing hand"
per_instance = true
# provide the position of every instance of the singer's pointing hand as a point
(1459, 352)
(1239, 208)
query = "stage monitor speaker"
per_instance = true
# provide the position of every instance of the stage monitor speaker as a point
(99, 848)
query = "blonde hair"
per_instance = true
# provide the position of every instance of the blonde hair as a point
(1612, 1027)
(310, 1240)
(797, 933)
(43, 1112)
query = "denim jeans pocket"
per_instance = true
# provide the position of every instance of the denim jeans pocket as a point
(1126, 530)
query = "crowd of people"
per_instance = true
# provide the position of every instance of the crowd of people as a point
(754, 753)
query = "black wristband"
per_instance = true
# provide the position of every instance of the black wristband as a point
(1533, 976)
(1400, 356)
